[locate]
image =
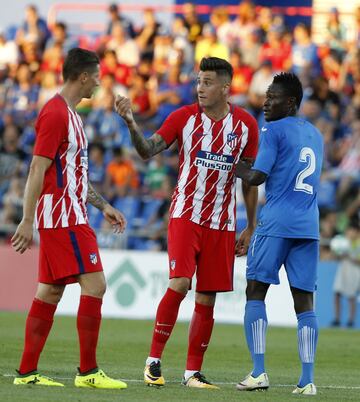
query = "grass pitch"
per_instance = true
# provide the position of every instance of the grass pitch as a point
(123, 347)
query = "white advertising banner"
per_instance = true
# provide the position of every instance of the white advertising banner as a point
(136, 281)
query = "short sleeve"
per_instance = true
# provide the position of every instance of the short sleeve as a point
(251, 147)
(171, 127)
(51, 130)
(268, 149)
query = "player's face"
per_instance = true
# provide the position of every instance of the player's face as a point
(277, 103)
(91, 83)
(210, 89)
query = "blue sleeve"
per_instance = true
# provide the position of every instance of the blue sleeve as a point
(267, 152)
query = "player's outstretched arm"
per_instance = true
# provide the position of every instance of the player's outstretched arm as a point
(34, 183)
(146, 148)
(252, 176)
(111, 214)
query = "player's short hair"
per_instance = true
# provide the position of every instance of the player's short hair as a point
(78, 61)
(291, 85)
(222, 67)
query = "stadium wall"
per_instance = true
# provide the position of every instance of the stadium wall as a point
(137, 281)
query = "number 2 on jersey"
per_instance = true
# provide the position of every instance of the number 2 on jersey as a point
(307, 155)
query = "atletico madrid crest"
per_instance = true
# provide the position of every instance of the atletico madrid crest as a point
(232, 140)
(93, 258)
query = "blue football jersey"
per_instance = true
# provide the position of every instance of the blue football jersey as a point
(291, 154)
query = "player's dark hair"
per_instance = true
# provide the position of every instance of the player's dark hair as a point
(220, 66)
(78, 61)
(291, 85)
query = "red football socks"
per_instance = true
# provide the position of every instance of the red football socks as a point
(38, 325)
(166, 316)
(88, 326)
(200, 330)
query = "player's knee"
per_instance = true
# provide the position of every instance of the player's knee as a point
(50, 293)
(96, 290)
(256, 290)
(207, 299)
(180, 285)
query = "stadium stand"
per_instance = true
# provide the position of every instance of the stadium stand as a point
(158, 73)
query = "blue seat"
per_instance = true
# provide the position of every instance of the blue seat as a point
(129, 206)
(149, 206)
(95, 217)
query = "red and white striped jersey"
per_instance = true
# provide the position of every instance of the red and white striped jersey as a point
(60, 136)
(208, 152)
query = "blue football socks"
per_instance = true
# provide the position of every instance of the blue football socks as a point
(255, 323)
(307, 341)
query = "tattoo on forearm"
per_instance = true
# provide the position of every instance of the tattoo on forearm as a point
(146, 147)
(95, 199)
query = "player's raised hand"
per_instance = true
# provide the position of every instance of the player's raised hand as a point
(115, 217)
(23, 237)
(123, 108)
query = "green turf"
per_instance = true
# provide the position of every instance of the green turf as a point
(124, 345)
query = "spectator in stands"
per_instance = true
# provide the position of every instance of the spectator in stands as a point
(108, 85)
(32, 57)
(115, 16)
(327, 98)
(121, 177)
(244, 23)
(250, 48)
(328, 230)
(193, 23)
(9, 55)
(34, 29)
(304, 58)
(110, 65)
(347, 280)
(147, 34)
(220, 20)
(12, 158)
(48, 87)
(107, 125)
(171, 93)
(241, 78)
(97, 166)
(182, 52)
(163, 45)
(60, 36)
(126, 49)
(209, 45)
(259, 84)
(276, 50)
(336, 33)
(156, 180)
(52, 60)
(142, 97)
(13, 202)
(21, 99)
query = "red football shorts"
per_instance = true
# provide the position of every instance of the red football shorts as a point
(66, 253)
(208, 252)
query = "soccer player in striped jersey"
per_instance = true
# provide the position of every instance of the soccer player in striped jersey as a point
(289, 162)
(212, 136)
(56, 193)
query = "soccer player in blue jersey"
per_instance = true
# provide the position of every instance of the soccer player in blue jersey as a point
(289, 162)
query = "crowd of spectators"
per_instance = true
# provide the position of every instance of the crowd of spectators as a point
(156, 65)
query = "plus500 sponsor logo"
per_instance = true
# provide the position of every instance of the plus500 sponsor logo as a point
(214, 161)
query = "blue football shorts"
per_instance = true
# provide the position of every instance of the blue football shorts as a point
(300, 257)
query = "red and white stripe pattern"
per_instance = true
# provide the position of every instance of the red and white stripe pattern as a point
(63, 200)
(208, 153)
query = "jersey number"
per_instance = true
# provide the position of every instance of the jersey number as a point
(306, 156)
